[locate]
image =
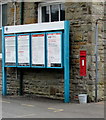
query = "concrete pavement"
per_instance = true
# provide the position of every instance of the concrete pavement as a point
(16, 107)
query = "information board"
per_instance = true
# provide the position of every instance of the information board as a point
(38, 49)
(23, 50)
(10, 50)
(54, 49)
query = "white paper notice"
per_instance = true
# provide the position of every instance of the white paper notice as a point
(38, 49)
(23, 49)
(10, 51)
(54, 48)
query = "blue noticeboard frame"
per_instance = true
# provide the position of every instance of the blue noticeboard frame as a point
(4, 75)
(26, 66)
(35, 51)
(5, 52)
(65, 65)
(66, 62)
(61, 44)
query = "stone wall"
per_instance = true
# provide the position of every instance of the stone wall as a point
(83, 18)
(29, 13)
(98, 13)
(10, 13)
(12, 81)
(46, 82)
(49, 82)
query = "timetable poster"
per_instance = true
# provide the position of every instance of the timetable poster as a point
(38, 46)
(10, 50)
(54, 49)
(23, 50)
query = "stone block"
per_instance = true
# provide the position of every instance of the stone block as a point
(78, 36)
(29, 20)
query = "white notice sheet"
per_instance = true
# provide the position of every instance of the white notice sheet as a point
(38, 46)
(23, 49)
(10, 50)
(54, 48)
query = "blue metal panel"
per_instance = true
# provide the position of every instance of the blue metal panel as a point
(30, 52)
(4, 51)
(9, 66)
(44, 51)
(61, 49)
(66, 63)
(55, 67)
(23, 66)
(17, 52)
(4, 82)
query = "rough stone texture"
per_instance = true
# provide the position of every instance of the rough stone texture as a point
(29, 13)
(12, 82)
(10, 13)
(50, 83)
(36, 81)
(99, 14)
(82, 18)
(39, 82)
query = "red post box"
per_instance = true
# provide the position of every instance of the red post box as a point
(82, 63)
